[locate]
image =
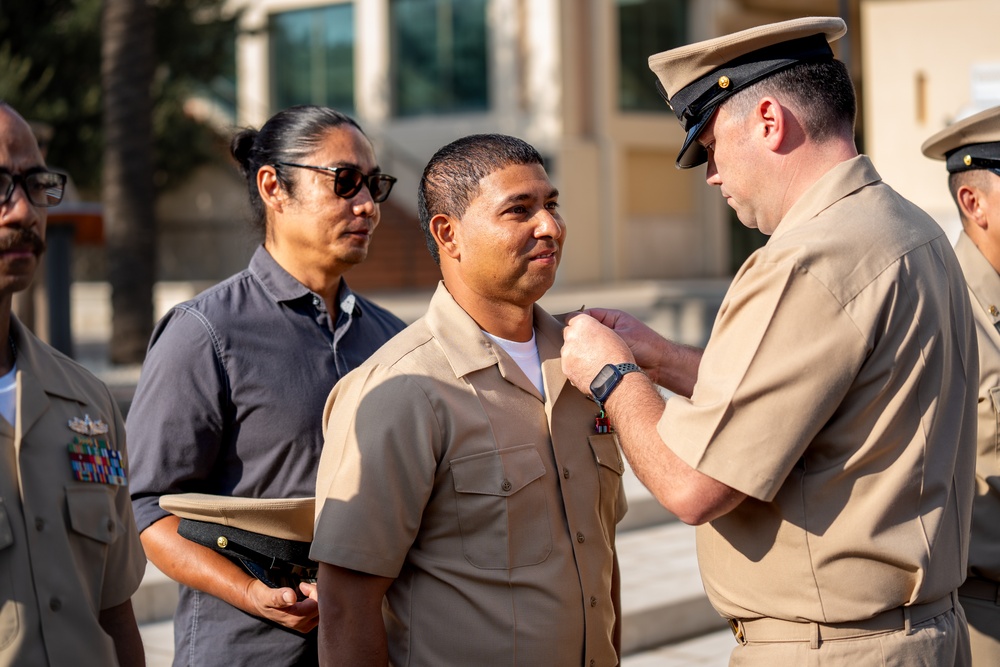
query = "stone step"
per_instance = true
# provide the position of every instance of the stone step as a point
(663, 601)
(158, 641)
(711, 650)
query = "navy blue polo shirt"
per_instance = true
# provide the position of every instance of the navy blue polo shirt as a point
(230, 402)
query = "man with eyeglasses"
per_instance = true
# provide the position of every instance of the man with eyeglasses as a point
(233, 385)
(70, 556)
(970, 149)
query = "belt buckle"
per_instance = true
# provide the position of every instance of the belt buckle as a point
(734, 625)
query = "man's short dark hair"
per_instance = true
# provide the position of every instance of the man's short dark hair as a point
(821, 90)
(451, 179)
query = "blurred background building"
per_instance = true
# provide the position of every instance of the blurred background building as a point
(569, 76)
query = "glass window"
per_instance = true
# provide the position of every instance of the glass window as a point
(646, 27)
(439, 55)
(312, 57)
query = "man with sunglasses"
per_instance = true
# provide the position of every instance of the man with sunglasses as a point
(70, 557)
(970, 149)
(234, 382)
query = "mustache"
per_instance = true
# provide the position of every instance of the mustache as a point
(21, 237)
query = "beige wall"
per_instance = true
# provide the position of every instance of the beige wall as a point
(553, 68)
(918, 63)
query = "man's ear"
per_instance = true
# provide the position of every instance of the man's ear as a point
(972, 206)
(270, 188)
(444, 230)
(769, 118)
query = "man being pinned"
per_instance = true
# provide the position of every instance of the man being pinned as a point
(461, 476)
(971, 151)
(70, 556)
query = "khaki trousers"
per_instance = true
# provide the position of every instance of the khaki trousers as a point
(942, 641)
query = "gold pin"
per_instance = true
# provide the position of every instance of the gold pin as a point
(993, 311)
(723, 81)
(222, 542)
(967, 160)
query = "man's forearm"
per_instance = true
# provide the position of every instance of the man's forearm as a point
(635, 409)
(119, 623)
(351, 629)
(677, 369)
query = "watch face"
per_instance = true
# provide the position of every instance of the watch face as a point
(603, 382)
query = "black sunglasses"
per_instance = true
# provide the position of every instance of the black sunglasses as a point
(43, 188)
(347, 181)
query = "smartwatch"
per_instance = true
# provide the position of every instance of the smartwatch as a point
(608, 378)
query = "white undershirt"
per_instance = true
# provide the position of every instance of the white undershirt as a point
(8, 395)
(526, 356)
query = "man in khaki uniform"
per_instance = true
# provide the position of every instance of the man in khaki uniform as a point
(825, 436)
(971, 150)
(462, 478)
(70, 557)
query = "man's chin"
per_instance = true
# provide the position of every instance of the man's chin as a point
(354, 256)
(13, 283)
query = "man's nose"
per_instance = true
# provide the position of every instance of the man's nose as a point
(549, 224)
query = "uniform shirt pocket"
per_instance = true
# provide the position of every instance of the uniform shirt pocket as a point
(502, 513)
(610, 469)
(91, 513)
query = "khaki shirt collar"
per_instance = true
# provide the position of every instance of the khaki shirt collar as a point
(39, 375)
(469, 350)
(981, 277)
(847, 177)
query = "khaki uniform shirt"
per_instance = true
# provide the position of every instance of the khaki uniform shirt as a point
(984, 288)
(68, 549)
(492, 508)
(837, 392)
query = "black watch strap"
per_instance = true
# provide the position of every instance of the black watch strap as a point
(608, 378)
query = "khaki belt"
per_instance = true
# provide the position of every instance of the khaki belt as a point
(773, 630)
(980, 589)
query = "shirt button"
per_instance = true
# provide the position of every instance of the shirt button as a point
(580, 538)
(316, 301)
(566, 473)
(506, 485)
(39, 524)
(55, 604)
(593, 601)
(592, 663)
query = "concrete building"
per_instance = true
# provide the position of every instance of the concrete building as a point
(570, 76)
(927, 64)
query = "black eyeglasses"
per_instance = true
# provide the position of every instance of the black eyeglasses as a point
(347, 181)
(44, 188)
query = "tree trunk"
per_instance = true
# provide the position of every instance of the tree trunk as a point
(127, 184)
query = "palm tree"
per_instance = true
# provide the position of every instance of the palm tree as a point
(127, 57)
